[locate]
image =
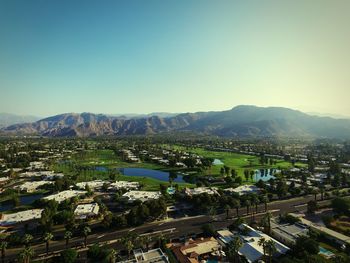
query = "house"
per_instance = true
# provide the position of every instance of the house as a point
(31, 187)
(141, 195)
(288, 233)
(124, 185)
(93, 185)
(151, 256)
(200, 190)
(20, 217)
(243, 190)
(196, 250)
(250, 237)
(64, 195)
(85, 211)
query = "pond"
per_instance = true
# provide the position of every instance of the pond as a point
(217, 162)
(24, 200)
(264, 174)
(155, 174)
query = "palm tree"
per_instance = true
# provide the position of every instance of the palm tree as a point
(232, 249)
(236, 204)
(227, 209)
(86, 232)
(315, 192)
(266, 222)
(112, 256)
(262, 243)
(3, 246)
(67, 236)
(255, 201)
(47, 238)
(26, 255)
(27, 239)
(270, 249)
(265, 200)
(247, 204)
(128, 244)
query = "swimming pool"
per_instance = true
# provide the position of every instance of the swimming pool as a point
(326, 253)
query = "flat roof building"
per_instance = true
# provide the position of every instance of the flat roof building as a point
(141, 195)
(288, 233)
(32, 186)
(196, 250)
(93, 185)
(84, 211)
(124, 185)
(19, 217)
(251, 249)
(151, 256)
(201, 190)
(64, 195)
(243, 189)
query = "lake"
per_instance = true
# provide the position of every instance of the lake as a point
(217, 162)
(155, 174)
(264, 174)
(24, 200)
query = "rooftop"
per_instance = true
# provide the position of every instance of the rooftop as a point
(64, 195)
(10, 219)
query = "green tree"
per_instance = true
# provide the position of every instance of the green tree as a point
(233, 248)
(270, 249)
(47, 238)
(86, 232)
(68, 256)
(67, 236)
(27, 238)
(26, 254)
(3, 246)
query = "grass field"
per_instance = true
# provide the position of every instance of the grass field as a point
(236, 161)
(107, 158)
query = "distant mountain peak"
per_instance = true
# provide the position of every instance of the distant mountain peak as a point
(240, 121)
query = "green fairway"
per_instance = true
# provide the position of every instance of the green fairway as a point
(236, 161)
(88, 161)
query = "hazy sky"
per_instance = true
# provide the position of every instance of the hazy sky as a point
(174, 56)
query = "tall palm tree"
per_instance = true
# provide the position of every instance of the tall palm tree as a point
(266, 222)
(247, 205)
(227, 209)
(255, 201)
(262, 243)
(67, 236)
(86, 232)
(129, 245)
(112, 256)
(3, 246)
(270, 249)
(26, 255)
(47, 238)
(27, 239)
(265, 200)
(236, 204)
(232, 249)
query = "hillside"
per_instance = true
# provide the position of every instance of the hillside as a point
(241, 121)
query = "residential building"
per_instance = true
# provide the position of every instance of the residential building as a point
(20, 217)
(85, 211)
(196, 250)
(64, 195)
(151, 256)
(288, 233)
(201, 190)
(143, 196)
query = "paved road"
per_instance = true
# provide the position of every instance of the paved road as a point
(173, 228)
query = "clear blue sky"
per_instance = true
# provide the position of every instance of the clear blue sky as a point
(174, 56)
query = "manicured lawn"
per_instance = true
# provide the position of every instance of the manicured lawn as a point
(107, 158)
(236, 161)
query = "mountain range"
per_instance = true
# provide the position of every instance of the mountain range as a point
(240, 121)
